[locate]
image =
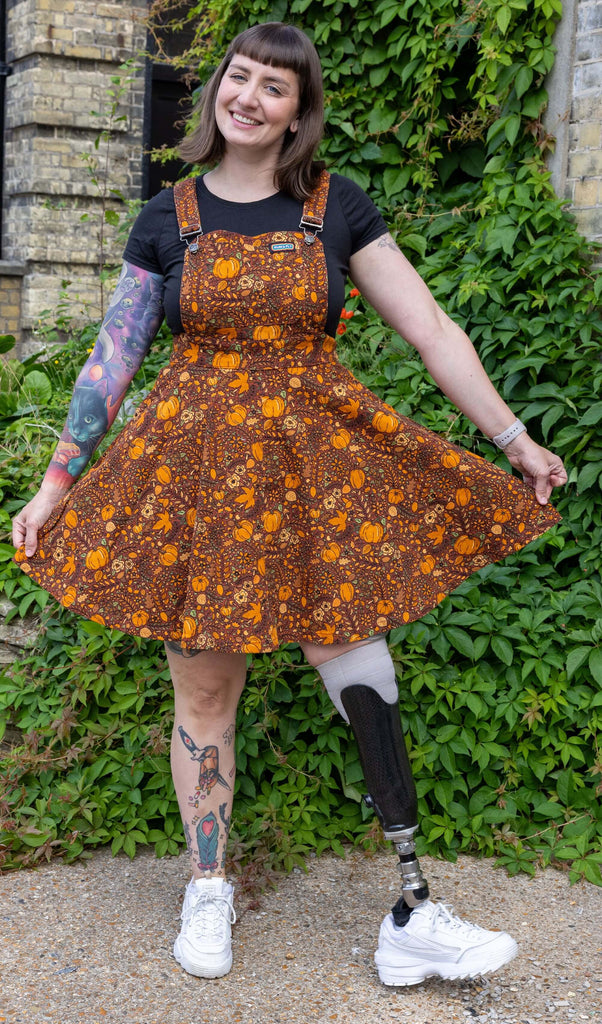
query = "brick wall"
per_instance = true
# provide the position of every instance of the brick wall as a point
(10, 297)
(63, 55)
(584, 170)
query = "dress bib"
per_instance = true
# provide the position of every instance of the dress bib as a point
(261, 494)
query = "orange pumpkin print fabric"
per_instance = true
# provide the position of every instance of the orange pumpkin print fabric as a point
(261, 494)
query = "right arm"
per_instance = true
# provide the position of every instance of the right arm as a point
(133, 318)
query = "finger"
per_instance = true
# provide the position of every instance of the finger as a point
(18, 533)
(31, 539)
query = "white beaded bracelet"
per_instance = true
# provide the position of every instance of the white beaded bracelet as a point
(503, 440)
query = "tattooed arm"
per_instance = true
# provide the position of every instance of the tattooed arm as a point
(398, 293)
(132, 321)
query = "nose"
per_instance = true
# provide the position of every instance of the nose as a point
(247, 95)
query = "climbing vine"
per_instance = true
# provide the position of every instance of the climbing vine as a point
(434, 107)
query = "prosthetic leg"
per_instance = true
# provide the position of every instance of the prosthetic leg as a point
(361, 684)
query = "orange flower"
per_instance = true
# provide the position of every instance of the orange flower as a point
(354, 292)
(346, 314)
(341, 328)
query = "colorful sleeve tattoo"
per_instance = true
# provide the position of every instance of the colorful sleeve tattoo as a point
(132, 321)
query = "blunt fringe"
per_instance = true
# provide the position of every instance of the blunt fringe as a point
(280, 46)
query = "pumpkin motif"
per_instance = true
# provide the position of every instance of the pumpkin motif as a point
(331, 552)
(272, 407)
(395, 496)
(371, 532)
(226, 360)
(168, 555)
(97, 558)
(267, 332)
(341, 439)
(191, 516)
(463, 496)
(68, 597)
(501, 515)
(188, 627)
(199, 583)
(236, 416)
(252, 645)
(347, 590)
(169, 408)
(299, 292)
(164, 474)
(284, 593)
(385, 607)
(427, 565)
(467, 545)
(292, 481)
(272, 521)
(71, 518)
(136, 448)
(357, 478)
(226, 268)
(244, 530)
(450, 460)
(108, 512)
(385, 423)
(140, 618)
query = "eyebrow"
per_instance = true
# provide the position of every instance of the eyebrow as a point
(268, 78)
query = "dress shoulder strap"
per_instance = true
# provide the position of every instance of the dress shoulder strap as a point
(187, 210)
(314, 208)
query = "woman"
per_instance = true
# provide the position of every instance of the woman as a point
(261, 495)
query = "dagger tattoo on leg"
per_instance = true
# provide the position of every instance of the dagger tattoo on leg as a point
(208, 758)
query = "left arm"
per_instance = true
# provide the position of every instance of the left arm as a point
(390, 284)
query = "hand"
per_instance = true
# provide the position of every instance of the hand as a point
(29, 520)
(541, 469)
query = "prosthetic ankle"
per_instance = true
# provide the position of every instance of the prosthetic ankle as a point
(362, 686)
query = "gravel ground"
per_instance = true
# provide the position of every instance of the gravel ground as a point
(91, 942)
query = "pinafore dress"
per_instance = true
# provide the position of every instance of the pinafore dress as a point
(261, 494)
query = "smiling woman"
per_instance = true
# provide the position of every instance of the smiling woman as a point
(284, 51)
(262, 495)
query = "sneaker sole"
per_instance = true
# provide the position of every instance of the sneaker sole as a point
(213, 970)
(413, 975)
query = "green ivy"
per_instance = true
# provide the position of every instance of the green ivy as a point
(435, 108)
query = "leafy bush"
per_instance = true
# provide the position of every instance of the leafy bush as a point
(435, 109)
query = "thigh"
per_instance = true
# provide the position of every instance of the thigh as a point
(318, 654)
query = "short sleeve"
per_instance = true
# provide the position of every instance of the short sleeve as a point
(363, 218)
(143, 247)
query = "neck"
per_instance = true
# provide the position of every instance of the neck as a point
(242, 180)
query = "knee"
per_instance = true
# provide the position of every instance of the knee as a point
(207, 699)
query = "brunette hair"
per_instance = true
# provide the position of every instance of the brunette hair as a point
(280, 46)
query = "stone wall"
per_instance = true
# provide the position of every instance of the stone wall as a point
(11, 275)
(574, 114)
(63, 55)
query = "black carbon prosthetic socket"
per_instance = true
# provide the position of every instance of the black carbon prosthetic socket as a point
(383, 756)
(391, 788)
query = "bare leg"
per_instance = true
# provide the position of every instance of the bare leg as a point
(207, 689)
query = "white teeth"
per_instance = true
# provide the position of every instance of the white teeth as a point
(245, 120)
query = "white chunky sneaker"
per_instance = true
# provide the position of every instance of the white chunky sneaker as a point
(204, 945)
(436, 943)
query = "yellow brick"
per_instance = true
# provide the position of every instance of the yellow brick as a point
(586, 192)
(590, 135)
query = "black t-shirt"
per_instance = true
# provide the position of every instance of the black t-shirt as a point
(351, 221)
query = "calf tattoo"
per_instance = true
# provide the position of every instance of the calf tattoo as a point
(208, 758)
(207, 834)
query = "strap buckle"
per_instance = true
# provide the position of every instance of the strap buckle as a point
(311, 226)
(191, 236)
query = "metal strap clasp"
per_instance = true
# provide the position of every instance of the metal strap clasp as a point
(310, 227)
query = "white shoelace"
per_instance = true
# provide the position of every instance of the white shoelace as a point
(444, 914)
(207, 912)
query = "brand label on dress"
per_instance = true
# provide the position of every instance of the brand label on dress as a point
(282, 246)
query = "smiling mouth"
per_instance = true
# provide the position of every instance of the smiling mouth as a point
(241, 119)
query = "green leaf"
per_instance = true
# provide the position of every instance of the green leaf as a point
(595, 664)
(503, 648)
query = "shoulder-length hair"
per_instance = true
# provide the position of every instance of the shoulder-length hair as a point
(280, 46)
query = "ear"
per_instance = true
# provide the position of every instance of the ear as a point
(293, 126)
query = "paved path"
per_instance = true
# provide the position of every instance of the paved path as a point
(90, 943)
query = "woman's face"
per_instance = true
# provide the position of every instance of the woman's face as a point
(256, 104)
